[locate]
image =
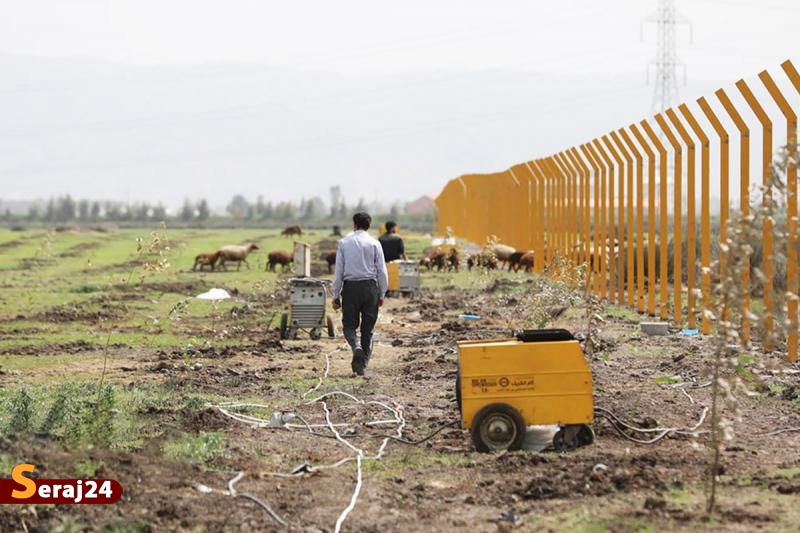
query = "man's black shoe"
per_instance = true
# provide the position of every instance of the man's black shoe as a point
(358, 362)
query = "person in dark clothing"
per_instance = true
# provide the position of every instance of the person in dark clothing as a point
(359, 285)
(392, 243)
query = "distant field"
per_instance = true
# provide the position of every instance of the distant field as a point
(76, 286)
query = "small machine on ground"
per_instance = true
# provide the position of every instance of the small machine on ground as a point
(539, 377)
(307, 309)
(403, 277)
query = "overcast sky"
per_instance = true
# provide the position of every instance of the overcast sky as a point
(144, 99)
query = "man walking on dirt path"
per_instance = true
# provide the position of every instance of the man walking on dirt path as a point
(359, 285)
(392, 243)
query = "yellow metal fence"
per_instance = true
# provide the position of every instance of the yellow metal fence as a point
(587, 204)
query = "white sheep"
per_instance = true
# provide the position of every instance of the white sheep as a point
(235, 252)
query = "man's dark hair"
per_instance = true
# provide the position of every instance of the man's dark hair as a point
(362, 220)
(390, 225)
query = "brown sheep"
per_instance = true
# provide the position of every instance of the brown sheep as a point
(278, 258)
(288, 231)
(330, 258)
(439, 260)
(425, 262)
(526, 261)
(513, 261)
(235, 252)
(205, 259)
(453, 260)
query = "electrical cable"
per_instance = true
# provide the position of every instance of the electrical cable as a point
(621, 427)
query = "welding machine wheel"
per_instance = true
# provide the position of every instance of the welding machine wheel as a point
(284, 331)
(573, 436)
(329, 323)
(316, 334)
(496, 427)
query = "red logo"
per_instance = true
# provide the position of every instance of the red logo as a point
(22, 489)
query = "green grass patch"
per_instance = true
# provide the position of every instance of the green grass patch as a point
(196, 449)
(613, 311)
(77, 412)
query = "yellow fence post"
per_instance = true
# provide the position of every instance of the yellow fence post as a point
(560, 178)
(558, 235)
(615, 228)
(705, 217)
(744, 200)
(651, 220)
(535, 207)
(577, 208)
(791, 200)
(677, 221)
(591, 156)
(541, 211)
(601, 248)
(635, 277)
(663, 226)
(724, 178)
(549, 212)
(585, 187)
(691, 222)
(521, 202)
(766, 182)
(609, 235)
(625, 263)
(566, 172)
(574, 210)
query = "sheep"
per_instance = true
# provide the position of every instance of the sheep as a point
(278, 258)
(501, 251)
(288, 231)
(204, 259)
(486, 260)
(438, 259)
(453, 259)
(513, 260)
(330, 258)
(526, 261)
(235, 252)
(425, 262)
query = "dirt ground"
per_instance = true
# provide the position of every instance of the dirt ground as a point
(440, 484)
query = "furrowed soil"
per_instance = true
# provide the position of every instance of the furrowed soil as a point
(382, 452)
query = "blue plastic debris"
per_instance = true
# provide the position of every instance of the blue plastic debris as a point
(690, 332)
(470, 317)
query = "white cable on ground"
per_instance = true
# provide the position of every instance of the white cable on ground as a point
(325, 375)
(281, 421)
(620, 426)
(359, 456)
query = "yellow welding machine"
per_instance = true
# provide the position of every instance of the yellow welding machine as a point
(538, 377)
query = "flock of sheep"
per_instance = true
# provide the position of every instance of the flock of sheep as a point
(494, 255)
(238, 253)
